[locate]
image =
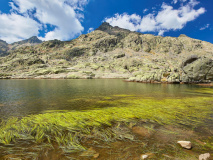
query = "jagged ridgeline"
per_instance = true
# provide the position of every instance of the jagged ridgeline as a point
(110, 52)
(6, 48)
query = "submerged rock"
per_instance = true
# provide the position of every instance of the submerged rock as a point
(147, 155)
(185, 144)
(144, 132)
(90, 153)
(144, 156)
(205, 156)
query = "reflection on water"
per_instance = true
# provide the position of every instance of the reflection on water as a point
(23, 97)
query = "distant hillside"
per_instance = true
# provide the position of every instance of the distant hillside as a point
(28, 42)
(113, 52)
(5, 48)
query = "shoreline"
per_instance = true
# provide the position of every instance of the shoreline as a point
(210, 84)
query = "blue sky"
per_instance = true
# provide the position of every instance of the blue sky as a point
(67, 19)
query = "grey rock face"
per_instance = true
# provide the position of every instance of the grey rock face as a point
(3, 48)
(198, 69)
(31, 40)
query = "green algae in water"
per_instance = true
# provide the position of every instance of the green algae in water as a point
(188, 111)
(67, 127)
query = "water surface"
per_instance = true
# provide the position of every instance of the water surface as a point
(117, 119)
(23, 97)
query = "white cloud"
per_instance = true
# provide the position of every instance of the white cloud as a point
(166, 19)
(90, 30)
(145, 10)
(77, 4)
(205, 27)
(175, 1)
(147, 23)
(161, 32)
(15, 27)
(64, 15)
(125, 21)
(14, 8)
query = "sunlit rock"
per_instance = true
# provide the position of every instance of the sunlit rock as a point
(185, 144)
(205, 156)
(144, 156)
(147, 155)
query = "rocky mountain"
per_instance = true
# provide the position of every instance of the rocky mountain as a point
(28, 42)
(113, 52)
(32, 40)
(5, 48)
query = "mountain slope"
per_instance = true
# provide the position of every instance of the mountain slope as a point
(113, 52)
(28, 42)
(3, 48)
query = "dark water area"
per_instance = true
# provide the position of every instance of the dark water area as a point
(23, 97)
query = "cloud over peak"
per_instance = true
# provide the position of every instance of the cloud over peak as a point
(165, 20)
(16, 27)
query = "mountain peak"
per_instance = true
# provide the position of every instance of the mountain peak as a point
(3, 42)
(117, 31)
(104, 26)
(31, 40)
(3, 47)
(34, 39)
(27, 42)
(183, 35)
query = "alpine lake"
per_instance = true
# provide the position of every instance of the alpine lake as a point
(104, 119)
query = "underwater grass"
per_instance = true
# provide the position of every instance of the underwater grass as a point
(66, 127)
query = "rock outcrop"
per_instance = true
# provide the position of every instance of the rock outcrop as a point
(112, 52)
(28, 42)
(197, 70)
(3, 48)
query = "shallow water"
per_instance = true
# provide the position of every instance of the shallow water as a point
(134, 119)
(23, 97)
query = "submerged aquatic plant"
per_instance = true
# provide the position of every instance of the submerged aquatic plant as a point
(66, 128)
